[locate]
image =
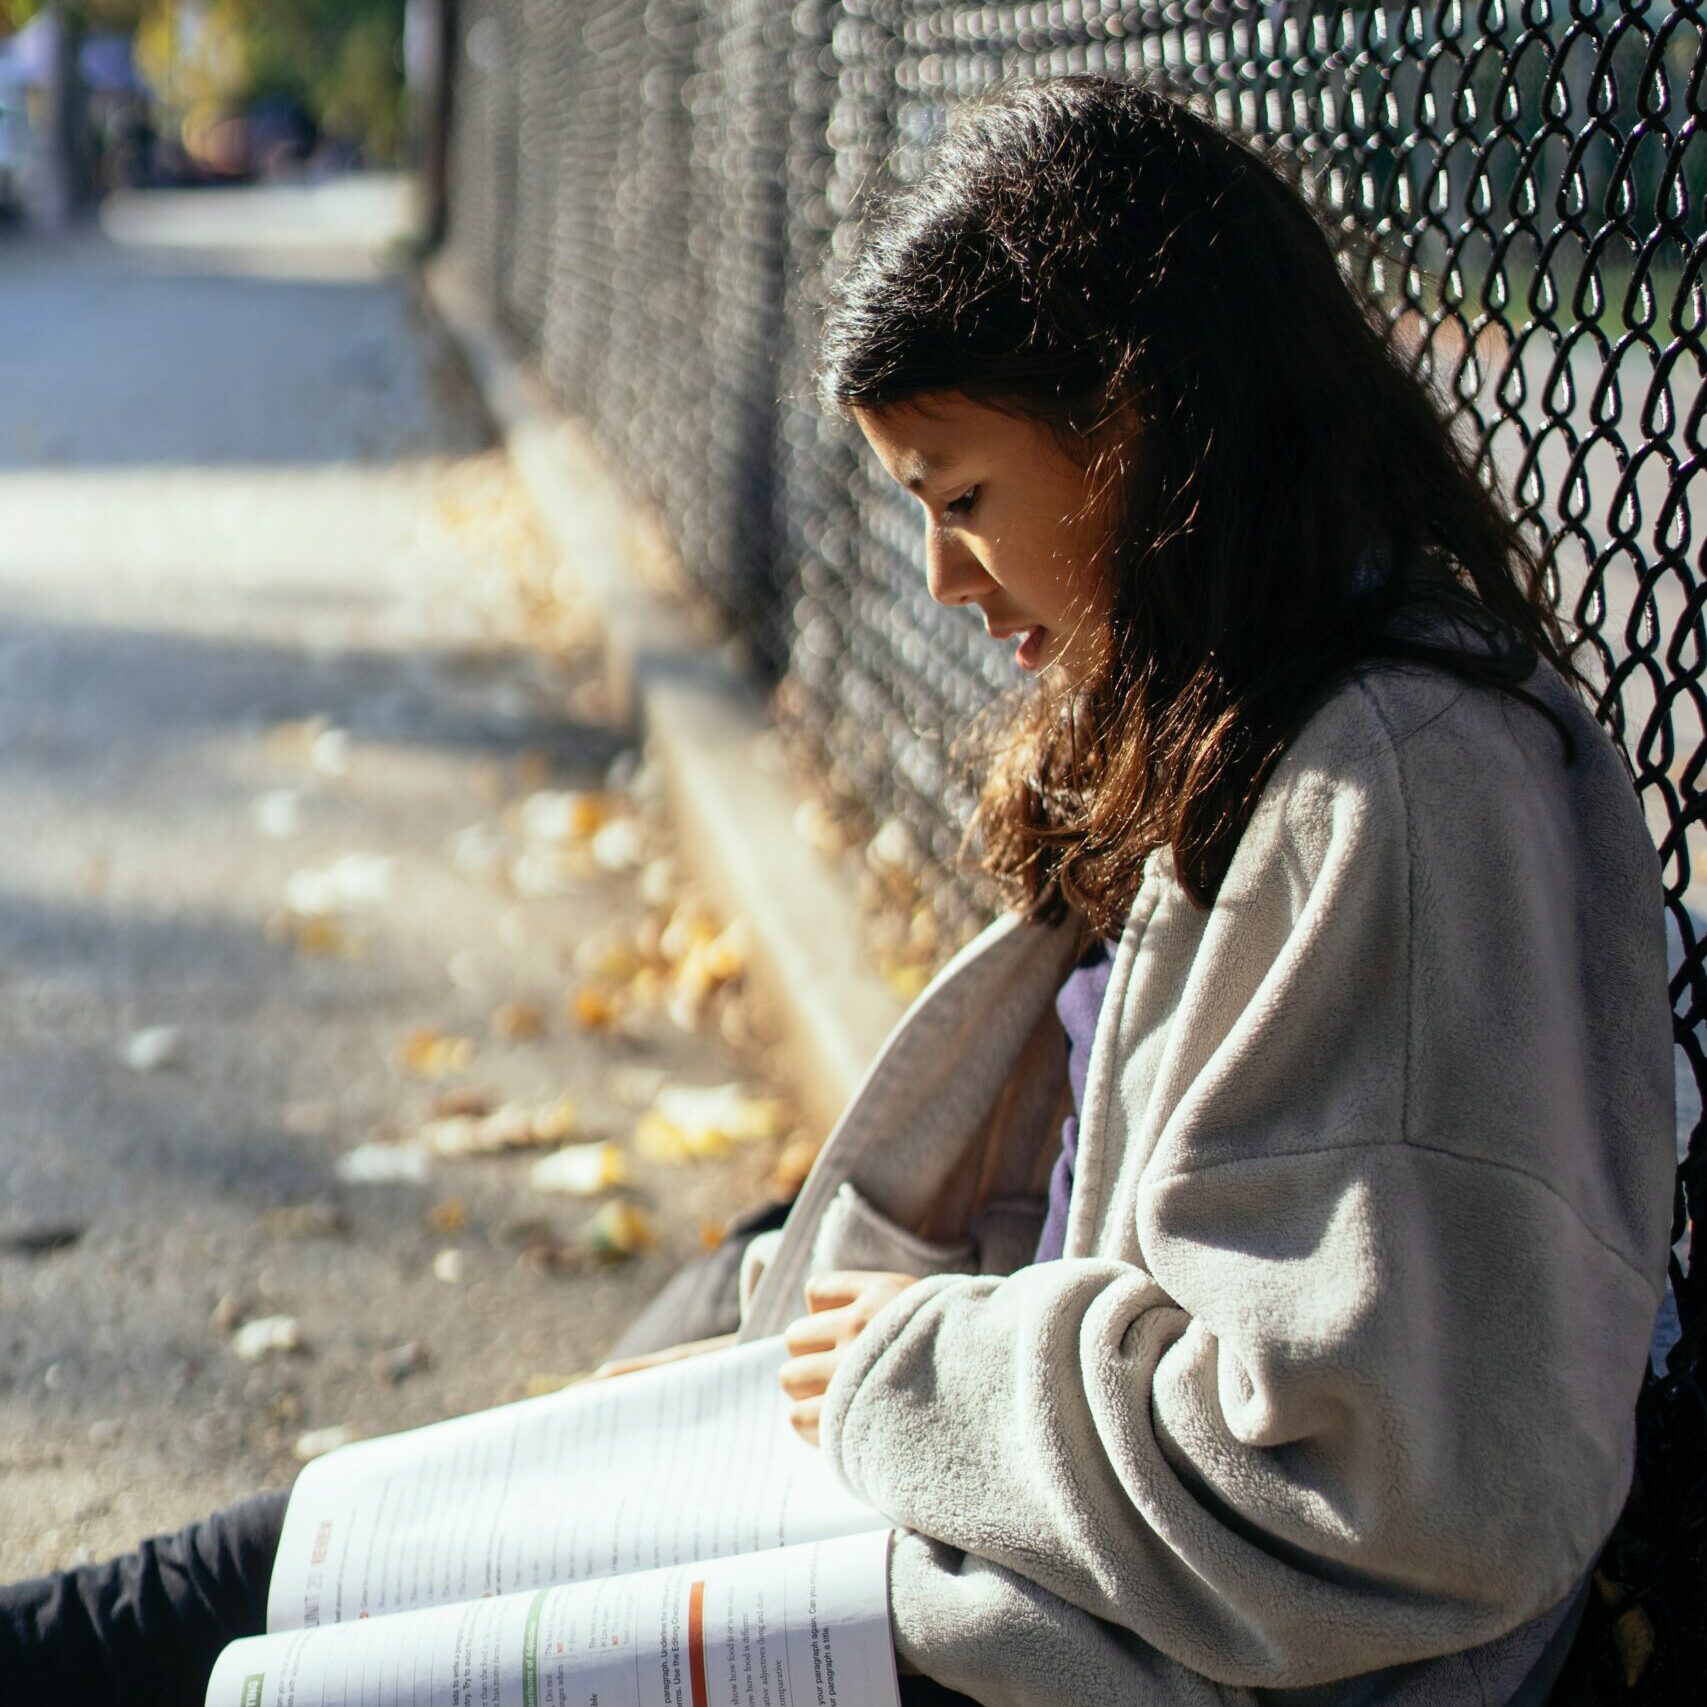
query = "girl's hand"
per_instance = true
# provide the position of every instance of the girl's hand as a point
(670, 1354)
(841, 1304)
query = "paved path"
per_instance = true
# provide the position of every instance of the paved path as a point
(241, 490)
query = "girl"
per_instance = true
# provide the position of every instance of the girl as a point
(1359, 1221)
(1235, 1273)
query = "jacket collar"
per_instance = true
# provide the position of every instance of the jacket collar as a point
(933, 1082)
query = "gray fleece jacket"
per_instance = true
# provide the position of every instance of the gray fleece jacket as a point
(1367, 1236)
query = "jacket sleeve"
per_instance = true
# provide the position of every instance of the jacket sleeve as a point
(1359, 1390)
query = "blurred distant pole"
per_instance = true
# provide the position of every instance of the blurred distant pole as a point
(58, 183)
(429, 54)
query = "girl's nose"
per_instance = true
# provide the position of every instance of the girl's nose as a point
(952, 572)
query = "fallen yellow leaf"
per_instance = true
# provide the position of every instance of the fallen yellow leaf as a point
(430, 1053)
(321, 936)
(905, 980)
(725, 1109)
(533, 768)
(726, 953)
(518, 1019)
(657, 1140)
(619, 1229)
(687, 925)
(592, 1009)
(587, 813)
(1633, 1635)
(462, 1099)
(580, 1170)
(792, 1166)
(448, 1216)
(513, 1126)
(317, 935)
(538, 1386)
(555, 1121)
(607, 953)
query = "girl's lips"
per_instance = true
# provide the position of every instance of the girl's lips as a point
(1030, 653)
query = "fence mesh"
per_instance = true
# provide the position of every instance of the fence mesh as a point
(651, 193)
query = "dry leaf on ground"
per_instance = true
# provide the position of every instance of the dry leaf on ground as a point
(539, 1386)
(295, 739)
(324, 937)
(477, 851)
(351, 881)
(517, 1020)
(566, 815)
(278, 813)
(448, 1216)
(154, 1047)
(383, 1164)
(401, 1361)
(267, 1336)
(316, 1220)
(658, 882)
(619, 1229)
(607, 953)
(431, 1054)
(592, 1010)
(329, 752)
(580, 1170)
(317, 1442)
(617, 846)
(542, 872)
(462, 1099)
(637, 1086)
(906, 978)
(792, 1166)
(692, 1122)
(513, 1126)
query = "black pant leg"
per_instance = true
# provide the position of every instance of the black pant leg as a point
(142, 1630)
(920, 1691)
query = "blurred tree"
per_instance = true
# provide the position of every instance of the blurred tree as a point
(95, 14)
(340, 60)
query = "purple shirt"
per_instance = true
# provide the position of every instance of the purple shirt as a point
(1078, 1002)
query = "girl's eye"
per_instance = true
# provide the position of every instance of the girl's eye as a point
(963, 504)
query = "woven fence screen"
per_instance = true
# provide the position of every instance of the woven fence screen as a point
(650, 195)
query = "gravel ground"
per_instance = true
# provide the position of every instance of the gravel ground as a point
(269, 600)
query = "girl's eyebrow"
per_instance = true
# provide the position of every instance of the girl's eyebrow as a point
(915, 469)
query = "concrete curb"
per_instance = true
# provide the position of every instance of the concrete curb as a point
(703, 723)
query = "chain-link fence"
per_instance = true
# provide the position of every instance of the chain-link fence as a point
(650, 194)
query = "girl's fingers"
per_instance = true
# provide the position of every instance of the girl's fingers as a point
(804, 1418)
(651, 1359)
(843, 1286)
(813, 1333)
(807, 1377)
(831, 1291)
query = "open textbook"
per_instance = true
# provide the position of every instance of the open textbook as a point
(662, 1539)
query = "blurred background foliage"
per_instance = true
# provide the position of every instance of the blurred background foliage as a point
(337, 61)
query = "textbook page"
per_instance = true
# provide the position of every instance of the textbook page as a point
(689, 1461)
(801, 1626)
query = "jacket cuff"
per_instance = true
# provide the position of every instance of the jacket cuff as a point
(860, 1358)
(755, 1256)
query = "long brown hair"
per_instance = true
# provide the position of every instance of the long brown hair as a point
(1089, 255)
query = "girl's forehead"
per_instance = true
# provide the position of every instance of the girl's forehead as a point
(918, 441)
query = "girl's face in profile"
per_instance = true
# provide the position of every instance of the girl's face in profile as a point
(1009, 526)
